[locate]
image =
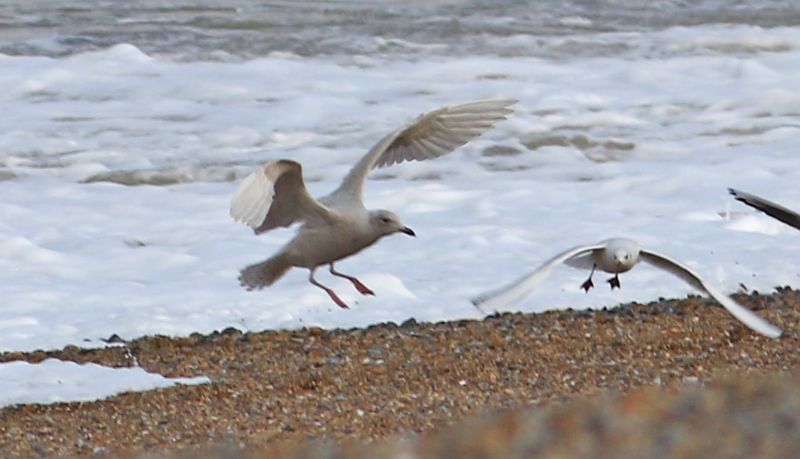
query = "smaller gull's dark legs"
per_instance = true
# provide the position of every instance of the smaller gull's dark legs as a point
(614, 282)
(589, 284)
(329, 291)
(362, 289)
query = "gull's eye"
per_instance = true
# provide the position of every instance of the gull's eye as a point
(385, 220)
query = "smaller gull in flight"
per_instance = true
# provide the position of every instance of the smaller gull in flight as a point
(338, 225)
(615, 256)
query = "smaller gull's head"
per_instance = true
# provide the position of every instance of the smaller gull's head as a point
(619, 255)
(385, 223)
(623, 258)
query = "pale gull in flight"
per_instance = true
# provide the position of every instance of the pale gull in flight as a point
(775, 211)
(615, 256)
(338, 225)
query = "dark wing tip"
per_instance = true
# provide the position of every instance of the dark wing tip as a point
(737, 195)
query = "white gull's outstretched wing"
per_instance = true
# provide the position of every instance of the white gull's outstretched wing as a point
(746, 316)
(274, 195)
(514, 292)
(775, 211)
(431, 135)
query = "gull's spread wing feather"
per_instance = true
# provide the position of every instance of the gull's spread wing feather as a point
(746, 316)
(431, 135)
(770, 208)
(274, 195)
(517, 290)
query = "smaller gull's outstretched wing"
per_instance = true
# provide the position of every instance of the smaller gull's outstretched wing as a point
(431, 135)
(746, 316)
(274, 195)
(514, 292)
(775, 211)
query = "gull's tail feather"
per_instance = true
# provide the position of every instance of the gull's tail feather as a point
(264, 274)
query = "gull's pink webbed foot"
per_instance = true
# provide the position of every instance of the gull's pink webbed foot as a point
(362, 289)
(336, 299)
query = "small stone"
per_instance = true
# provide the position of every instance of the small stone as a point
(114, 339)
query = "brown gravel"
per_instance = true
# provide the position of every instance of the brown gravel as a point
(273, 388)
(743, 418)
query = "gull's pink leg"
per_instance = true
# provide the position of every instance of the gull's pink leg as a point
(362, 289)
(329, 291)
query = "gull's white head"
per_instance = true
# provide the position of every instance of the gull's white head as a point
(620, 255)
(622, 258)
(384, 223)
